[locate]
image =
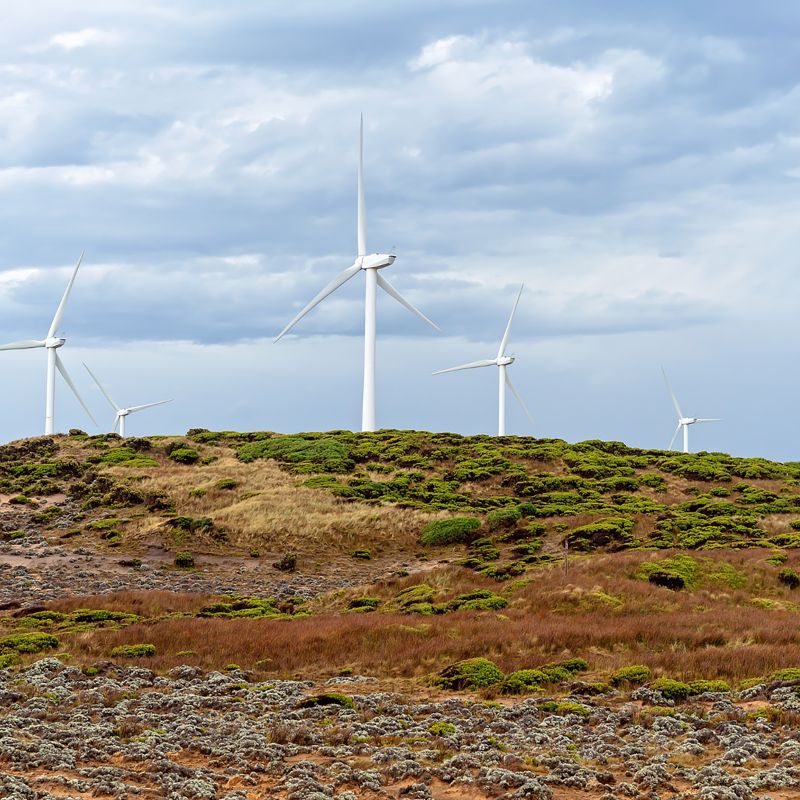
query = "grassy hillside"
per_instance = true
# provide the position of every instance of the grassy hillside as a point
(523, 551)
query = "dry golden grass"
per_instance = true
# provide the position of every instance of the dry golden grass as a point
(270, 510)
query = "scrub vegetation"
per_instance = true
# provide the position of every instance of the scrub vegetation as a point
(509, 566)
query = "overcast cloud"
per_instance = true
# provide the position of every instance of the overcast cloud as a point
(636, 167)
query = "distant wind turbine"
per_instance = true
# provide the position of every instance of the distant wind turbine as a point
(502, 361)
(119, 420)
(370, 264)
(683, 421)
(52, 342)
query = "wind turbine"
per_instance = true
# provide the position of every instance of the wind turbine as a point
(51, 343)
(119, 420)
(369, 264)
(683, 421)
(502, 361)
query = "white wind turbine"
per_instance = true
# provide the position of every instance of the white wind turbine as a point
(502, 361)
(119, 420)
(370, 264)
(683, 421)
(51, 343)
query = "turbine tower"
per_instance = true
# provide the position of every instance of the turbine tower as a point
(51, 343)
(502, 362)
(119, 420)
(369, 264)
(683, 421)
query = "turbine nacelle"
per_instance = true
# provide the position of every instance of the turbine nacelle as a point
(688, 420)
(52, 342)
(504, 361)
(376, 261)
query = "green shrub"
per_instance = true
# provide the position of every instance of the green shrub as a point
(503, 518)
(524, 680)
(478, 600)
(472, 673)
(362, 554)
(325, 454)
(789, 674)
(569, 707)
(703, 686)
(631, 676)
(184, 455)
(455, 530)
(414, 597)
(789, 578)
(441, 728)
(671, 689)
(184, 560)
(134, 651)
(248, 607)
(28, 642)
(8, 660)
(676, 573)
(363, 604)
(226, 484)
(614, 532)
(329, 699)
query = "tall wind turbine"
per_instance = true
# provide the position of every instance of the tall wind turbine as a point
(502, 362)
(683, 421)
(119, 420)
(51, 343)
(369, 264)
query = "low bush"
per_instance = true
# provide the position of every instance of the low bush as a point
(455, 530)
(363, 554)
(184, 455)
(524, 680)
(184, 560)
(28, 642)
(328, 699)
(671, 689)
(226, 484)
(472, 673)
(789, 578)
(633, 675)
(441, 728)
(134, 651)
(363, 604)
(478, 600)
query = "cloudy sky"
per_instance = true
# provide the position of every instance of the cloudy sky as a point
(638, 167)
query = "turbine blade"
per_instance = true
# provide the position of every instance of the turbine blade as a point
(25, 344)
(65, 375)
(672, 395)
(133, 409)
(341, 278)
(519, 399)
(116, 423)
(392, 292)
(674, 435)
(709, 420)
(486, 362)
(63, 304)
(504, 340)
(362, 210)
(101, 388)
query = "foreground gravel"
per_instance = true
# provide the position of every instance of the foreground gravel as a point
(128, 733)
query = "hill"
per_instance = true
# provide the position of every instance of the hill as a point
(439, 607)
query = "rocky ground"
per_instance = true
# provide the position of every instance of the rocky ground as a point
(127, 733)
(35, 570)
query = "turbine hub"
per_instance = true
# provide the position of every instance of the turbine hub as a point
(688, 420)
(54, 342)
(377, 260)
(123, 412)
(504, 361)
